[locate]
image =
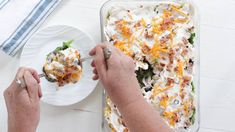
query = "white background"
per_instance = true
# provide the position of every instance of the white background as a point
(217, 70)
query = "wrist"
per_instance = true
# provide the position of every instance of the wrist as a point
(16, 127)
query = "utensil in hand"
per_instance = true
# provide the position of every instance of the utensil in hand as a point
(107, 53)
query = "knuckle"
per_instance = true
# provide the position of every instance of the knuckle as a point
(7, 93)
(21, 68)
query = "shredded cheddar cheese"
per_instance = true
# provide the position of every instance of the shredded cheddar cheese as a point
(155, 36)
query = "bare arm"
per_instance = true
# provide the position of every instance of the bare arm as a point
(23, 102)
(119, 80)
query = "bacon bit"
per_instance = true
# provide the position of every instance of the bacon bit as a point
(145, 48)
(164, 39)
(170, 81)
(138, 24)
(171, 56)
(172, 34)
(191, 29)
(148, 35)
(182, 94)
(185, 41)
(184, 52)
(186, 80)
(126, 130)
(166, 24)
(162, 64)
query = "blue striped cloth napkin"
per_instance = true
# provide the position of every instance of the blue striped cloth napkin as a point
(19, 19)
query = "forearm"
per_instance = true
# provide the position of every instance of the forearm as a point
(137, 113)
(140, 116)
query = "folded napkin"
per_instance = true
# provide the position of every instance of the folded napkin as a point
(19, 19)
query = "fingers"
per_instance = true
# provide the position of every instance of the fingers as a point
(32, 85)
(39, 92)
(21, 71)
(93, 63)
(95, 71)
(35, 74)
(100, 63)
(93, 51)
(95, 77)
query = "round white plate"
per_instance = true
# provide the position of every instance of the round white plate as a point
(45, 41)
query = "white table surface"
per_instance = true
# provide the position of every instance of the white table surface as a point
(217, 70)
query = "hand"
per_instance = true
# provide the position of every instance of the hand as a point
(117, 75)
(23, 103)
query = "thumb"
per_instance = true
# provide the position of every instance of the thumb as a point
(32, 85)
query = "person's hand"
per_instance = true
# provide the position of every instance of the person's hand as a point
(23, 102)
(117, 74)
(118, 77)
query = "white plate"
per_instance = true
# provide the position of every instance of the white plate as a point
(45, 41)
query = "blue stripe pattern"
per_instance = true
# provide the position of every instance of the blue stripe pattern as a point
(3, 3)
(28, 26)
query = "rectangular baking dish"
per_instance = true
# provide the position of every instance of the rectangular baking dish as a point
(103, 15)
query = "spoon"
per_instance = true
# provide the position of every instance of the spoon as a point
(107, 54)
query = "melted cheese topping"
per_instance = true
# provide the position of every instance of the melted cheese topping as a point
(157, 36)
(64, 66)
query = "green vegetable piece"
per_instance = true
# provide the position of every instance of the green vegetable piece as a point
(108, 15)
(58, 49)
(157, 61)
(67, 44)
(192, 118)
(141, 74)
(48, 55)
(191, 39)
(193, 87)
(182, 5)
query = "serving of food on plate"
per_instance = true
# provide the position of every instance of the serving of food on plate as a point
(60, 54)
(63, 65)
(160, 39)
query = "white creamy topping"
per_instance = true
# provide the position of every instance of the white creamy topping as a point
(159, 34)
